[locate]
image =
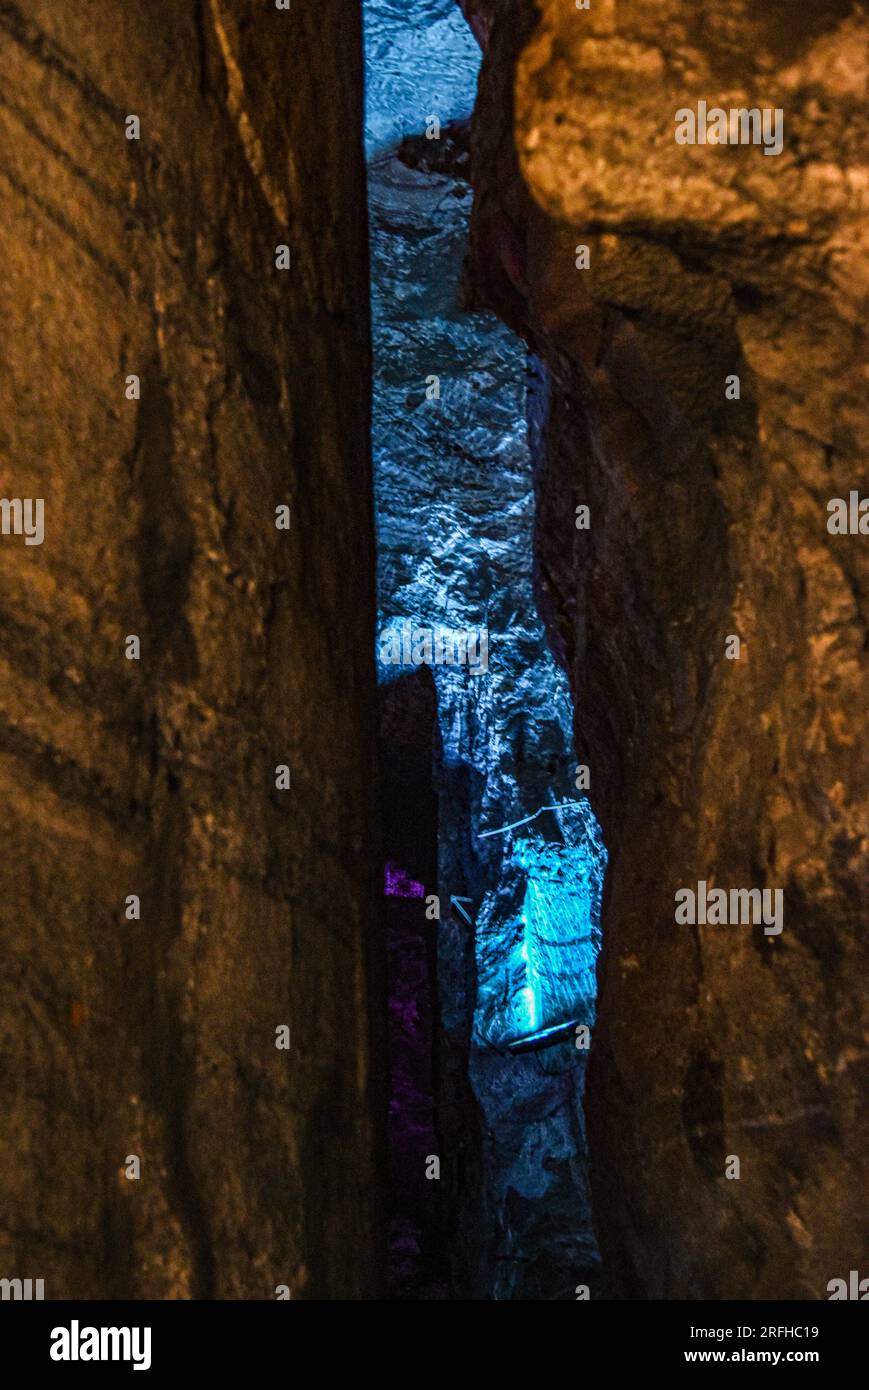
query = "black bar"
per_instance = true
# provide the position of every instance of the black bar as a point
(268, 1339)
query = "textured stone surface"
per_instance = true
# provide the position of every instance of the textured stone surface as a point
(453, 488)
(156, 777)
(708, 519)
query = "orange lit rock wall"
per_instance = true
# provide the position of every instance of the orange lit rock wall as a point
(156, 777)
(708, 521)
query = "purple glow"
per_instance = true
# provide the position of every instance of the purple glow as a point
(400, 885)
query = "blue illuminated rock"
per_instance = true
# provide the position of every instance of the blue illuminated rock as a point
(454, 501)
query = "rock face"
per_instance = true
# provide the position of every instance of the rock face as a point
(708, 520)
(506, 844)
(456, 551)
(156, 1038)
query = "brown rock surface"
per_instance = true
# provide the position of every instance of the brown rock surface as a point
(157, 777)
(708, 518)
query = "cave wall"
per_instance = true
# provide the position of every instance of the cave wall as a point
(156, 777)
(708, 520)
(518, 877)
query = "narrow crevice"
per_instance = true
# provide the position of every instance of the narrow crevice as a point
(510, 905)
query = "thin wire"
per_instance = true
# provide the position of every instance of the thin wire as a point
(562, 806)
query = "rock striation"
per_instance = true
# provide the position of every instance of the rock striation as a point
(155, 1037)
